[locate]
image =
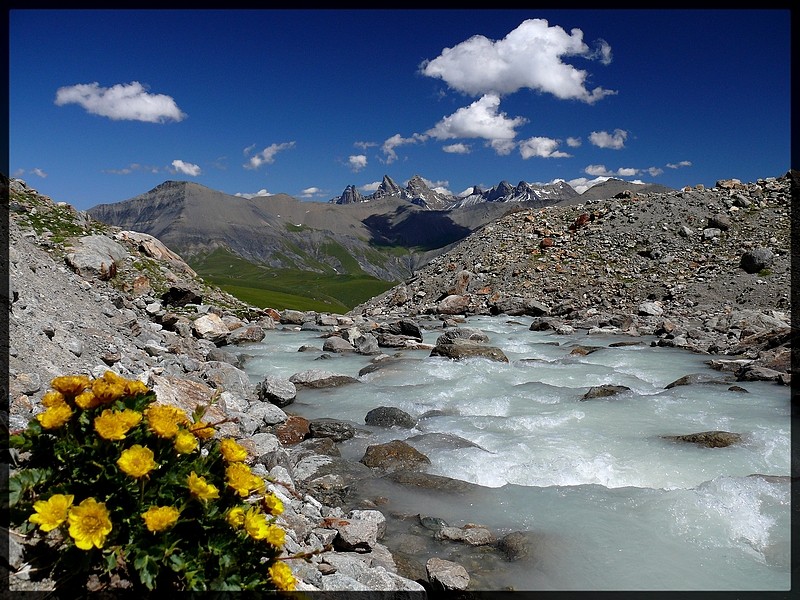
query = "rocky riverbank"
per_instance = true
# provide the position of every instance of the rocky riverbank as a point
(707, 270)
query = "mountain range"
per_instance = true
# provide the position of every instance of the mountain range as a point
(376, 240)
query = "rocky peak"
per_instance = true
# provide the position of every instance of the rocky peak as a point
(351, 195)
(419, 193)
(499, 192)
(387, 188)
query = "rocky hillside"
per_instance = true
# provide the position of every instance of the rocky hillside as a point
(707, 269)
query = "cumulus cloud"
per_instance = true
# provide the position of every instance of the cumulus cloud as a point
(683, 163)
(603, 139)
(121, 102)
(480, 119)
(530, 57)
(370, 187)
(311, 192)
(627, 171)
(541, 147)
(357, 162)
(457, 149)
(397, 140)
(581, 184)
(185, 168)
(602, 171)
(267, 155)
(502, 147)
(573, 142)
(260, 193)
(654, 171)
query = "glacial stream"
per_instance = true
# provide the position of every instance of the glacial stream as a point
(605, 501)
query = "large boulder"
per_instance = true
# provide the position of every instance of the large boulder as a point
(96, 256)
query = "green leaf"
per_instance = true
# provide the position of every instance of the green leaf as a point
(148, 570)
(23, 482)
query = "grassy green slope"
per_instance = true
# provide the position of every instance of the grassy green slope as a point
(262, 286)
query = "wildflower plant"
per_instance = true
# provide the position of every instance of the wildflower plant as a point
(126, 489)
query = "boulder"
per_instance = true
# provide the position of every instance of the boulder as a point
(389, 416)
(392, 456)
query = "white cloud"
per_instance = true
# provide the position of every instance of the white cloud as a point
(311, 192)
(530, 56)
(365, 145)
(683, 163)
(654, 171)
(603, 52)
(502, 147)
(573, 142)
(397, 140)
(627, 171)
(603, 139)
(128, 102)
(602, 171)
(186, 168)
(267, 155)
(35, 171)
(249, 149)
(131, 168)
(541, 147)
(457, 149)
(478, 120)
(581, 184)
(260, 193)
(598, 170)
(357, 162)
(370, 187)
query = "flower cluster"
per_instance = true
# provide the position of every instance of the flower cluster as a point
(138, 491)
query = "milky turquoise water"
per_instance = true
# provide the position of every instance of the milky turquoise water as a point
(614, 505)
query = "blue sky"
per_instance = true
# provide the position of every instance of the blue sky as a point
(106, 104)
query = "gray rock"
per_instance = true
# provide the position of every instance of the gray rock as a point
(604, 391)
(446, 574)
(463, 349)
(277, 390)
(337, 430)
(394, 455)
(708, 439)
(389, 416)
(316, 378)
(756, 260)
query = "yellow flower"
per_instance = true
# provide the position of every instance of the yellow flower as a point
(89, 524)
(163, 419)
(235, 517)
(159, 518)
(255, 523)
(202, 430)
(87, 400)
(70, 385)
(201, 489)
(55, 416)
(106, 391)
(273, 504)
(185, 442)
(282, 577)
(134, 387)
(52, 512)
(113, 425)
(53, 398)
(275, 536)
(232, 451)
(241, 479)
(137, 461)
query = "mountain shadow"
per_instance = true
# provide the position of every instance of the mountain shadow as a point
(428, 230)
